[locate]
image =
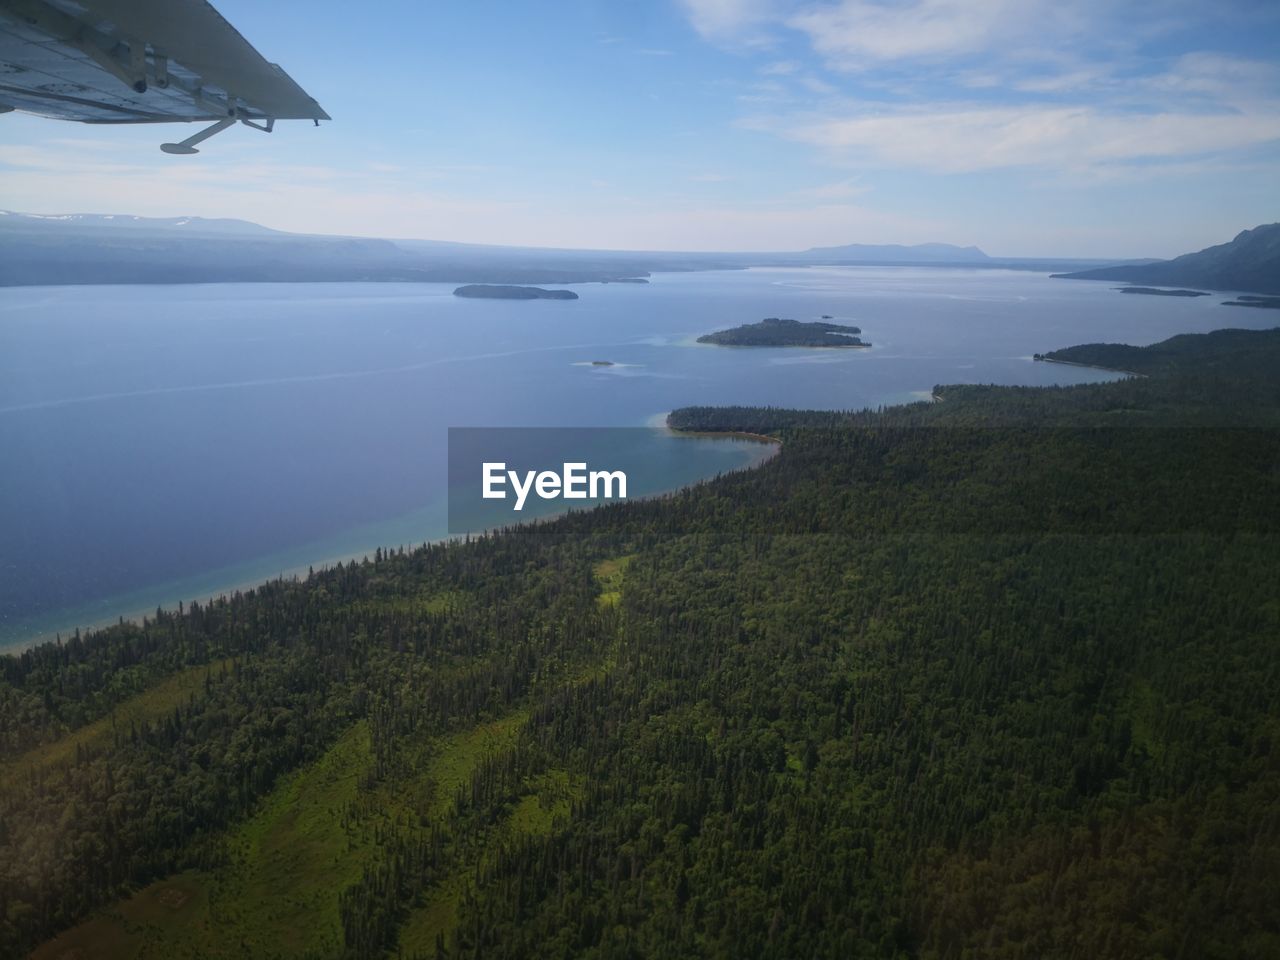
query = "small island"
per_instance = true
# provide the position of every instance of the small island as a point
(776, 332)
(498, 291)
(1248, 300)
(1154, 292)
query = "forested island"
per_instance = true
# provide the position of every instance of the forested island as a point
(895, 693)
(503, 291)
(1156, 292)
(778, 332)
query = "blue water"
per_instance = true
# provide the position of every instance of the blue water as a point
(165, 442)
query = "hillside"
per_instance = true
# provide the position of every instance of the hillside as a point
(914, 687)
(1249, 262)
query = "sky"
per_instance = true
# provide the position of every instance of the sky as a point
(1069, 128)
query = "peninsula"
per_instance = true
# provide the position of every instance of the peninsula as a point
(1266, 303)
(776, 332)
(1183, 352)
(498, 291)
(1154, 292)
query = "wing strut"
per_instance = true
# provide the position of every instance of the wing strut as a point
(188, 146)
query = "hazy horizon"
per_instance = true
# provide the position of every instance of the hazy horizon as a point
(870, 242)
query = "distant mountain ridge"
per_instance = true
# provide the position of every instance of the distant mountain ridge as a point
(105, 248)
(122, 221)
(1249, 262)
(899, 253)
(55, 249)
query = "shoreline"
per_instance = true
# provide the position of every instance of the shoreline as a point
(203, 598)
(300, 572)
(718, 434)
(786, 346)
(1088, 366)
(662, 421)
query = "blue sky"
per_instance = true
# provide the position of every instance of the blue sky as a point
(1028, 127)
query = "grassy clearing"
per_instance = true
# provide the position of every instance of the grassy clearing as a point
(455, 758)
(176, 903)
(293, 856)
(537, 813)
(437, 917)
(277, 897)
(548, 803)
(154, 703)
(427, 601)
(279, 894)
(610, 574)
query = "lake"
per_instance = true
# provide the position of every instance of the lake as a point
(168, 442)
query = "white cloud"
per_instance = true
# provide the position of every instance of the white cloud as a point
(949, 139)
(815, 85)
(855, 34)
(1212, 75)
(730, 19)
(1200, 76)
(1073, 88)
(1062, 82)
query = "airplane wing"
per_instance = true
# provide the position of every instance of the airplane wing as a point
(140, 61)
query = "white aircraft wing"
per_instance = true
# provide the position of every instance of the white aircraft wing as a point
(140, 61)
